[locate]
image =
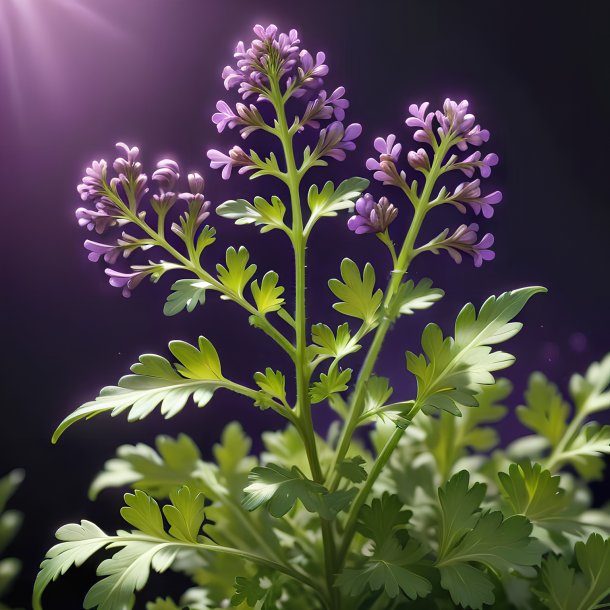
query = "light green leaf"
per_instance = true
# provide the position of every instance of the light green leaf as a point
(262, 591)
(378, 392)
(329, 201)
(359, 298)
(411, 297)
(591, 393)
(268, 214)
(237, 273)
(279, 489)
(155, 381)
(273, 383)
(585, 451)
(453, 370)
(185, 514)
(127, 571)
(163, 604)
(158, 473)
(545, 411)
(327, 343)
(267, 296)
(332, 383)
(187, 294)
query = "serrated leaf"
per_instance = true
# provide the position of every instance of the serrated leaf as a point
(359, 298)
(158, 473)
(468, 536)
(279, 489)
(237, 272)
(382, 518)
(545, 411)
(453, 370)
(267, 296)
(386, 570)
(329, 200)
(335, 345)
(155, 381)
(566, 588)
(377, 393)
(263, 591)
(332, 383)
(591, 393)
(272, 382)
(127, 571)
(352, 469)
(411, 297)
(186, 294)
(533, 492)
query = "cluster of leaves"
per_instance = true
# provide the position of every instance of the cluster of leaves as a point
(10, 524)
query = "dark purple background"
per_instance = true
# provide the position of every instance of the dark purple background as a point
(78, 76)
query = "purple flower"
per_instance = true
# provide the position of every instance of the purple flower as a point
(111, 252)
(127, 281)
(385, 168)
(236, 158)
(269, 55)
(455, 120)
(336, 139)
(105, 215)
(473, 161)
(470, 193)
(196, 183)
(323, 108)
(130, 167)
(166, 175)
(464, 240)
(422, 121)
(372, 216)
(93, 184)
(225, 117)
(419, 159)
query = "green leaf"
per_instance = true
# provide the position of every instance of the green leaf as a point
(533, 492)
(267, 296)
(411, 297)
(327, 343)
(187, 294)
(145, 548)
(268, 214)
(352, 469)
(468, 536)
(591, 393)
(273, 383)
(359, 298)
(382, 518)
(386, 570)
(378, 392)
(453, 370)
(237, 273)
(332, 383)
(163, 604)
(262, 591)
(581, 588)
(185, 514)
(585, 450)
(155, 381)
(545, 411)
(279, 489)
(329, 201)
(158, 473)
(449, 438)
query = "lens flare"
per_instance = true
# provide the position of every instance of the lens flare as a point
(32, 37)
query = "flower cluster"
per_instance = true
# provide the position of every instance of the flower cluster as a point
(118, 201)
(445, 133)
(274, 68)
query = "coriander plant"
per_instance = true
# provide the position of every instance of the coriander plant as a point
(407, 501)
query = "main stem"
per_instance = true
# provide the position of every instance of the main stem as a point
(303, 406)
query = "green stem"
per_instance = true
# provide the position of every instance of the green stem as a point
(303, 410)
(404, 259)
(380, 462)
(571, 431)
(193, 265)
